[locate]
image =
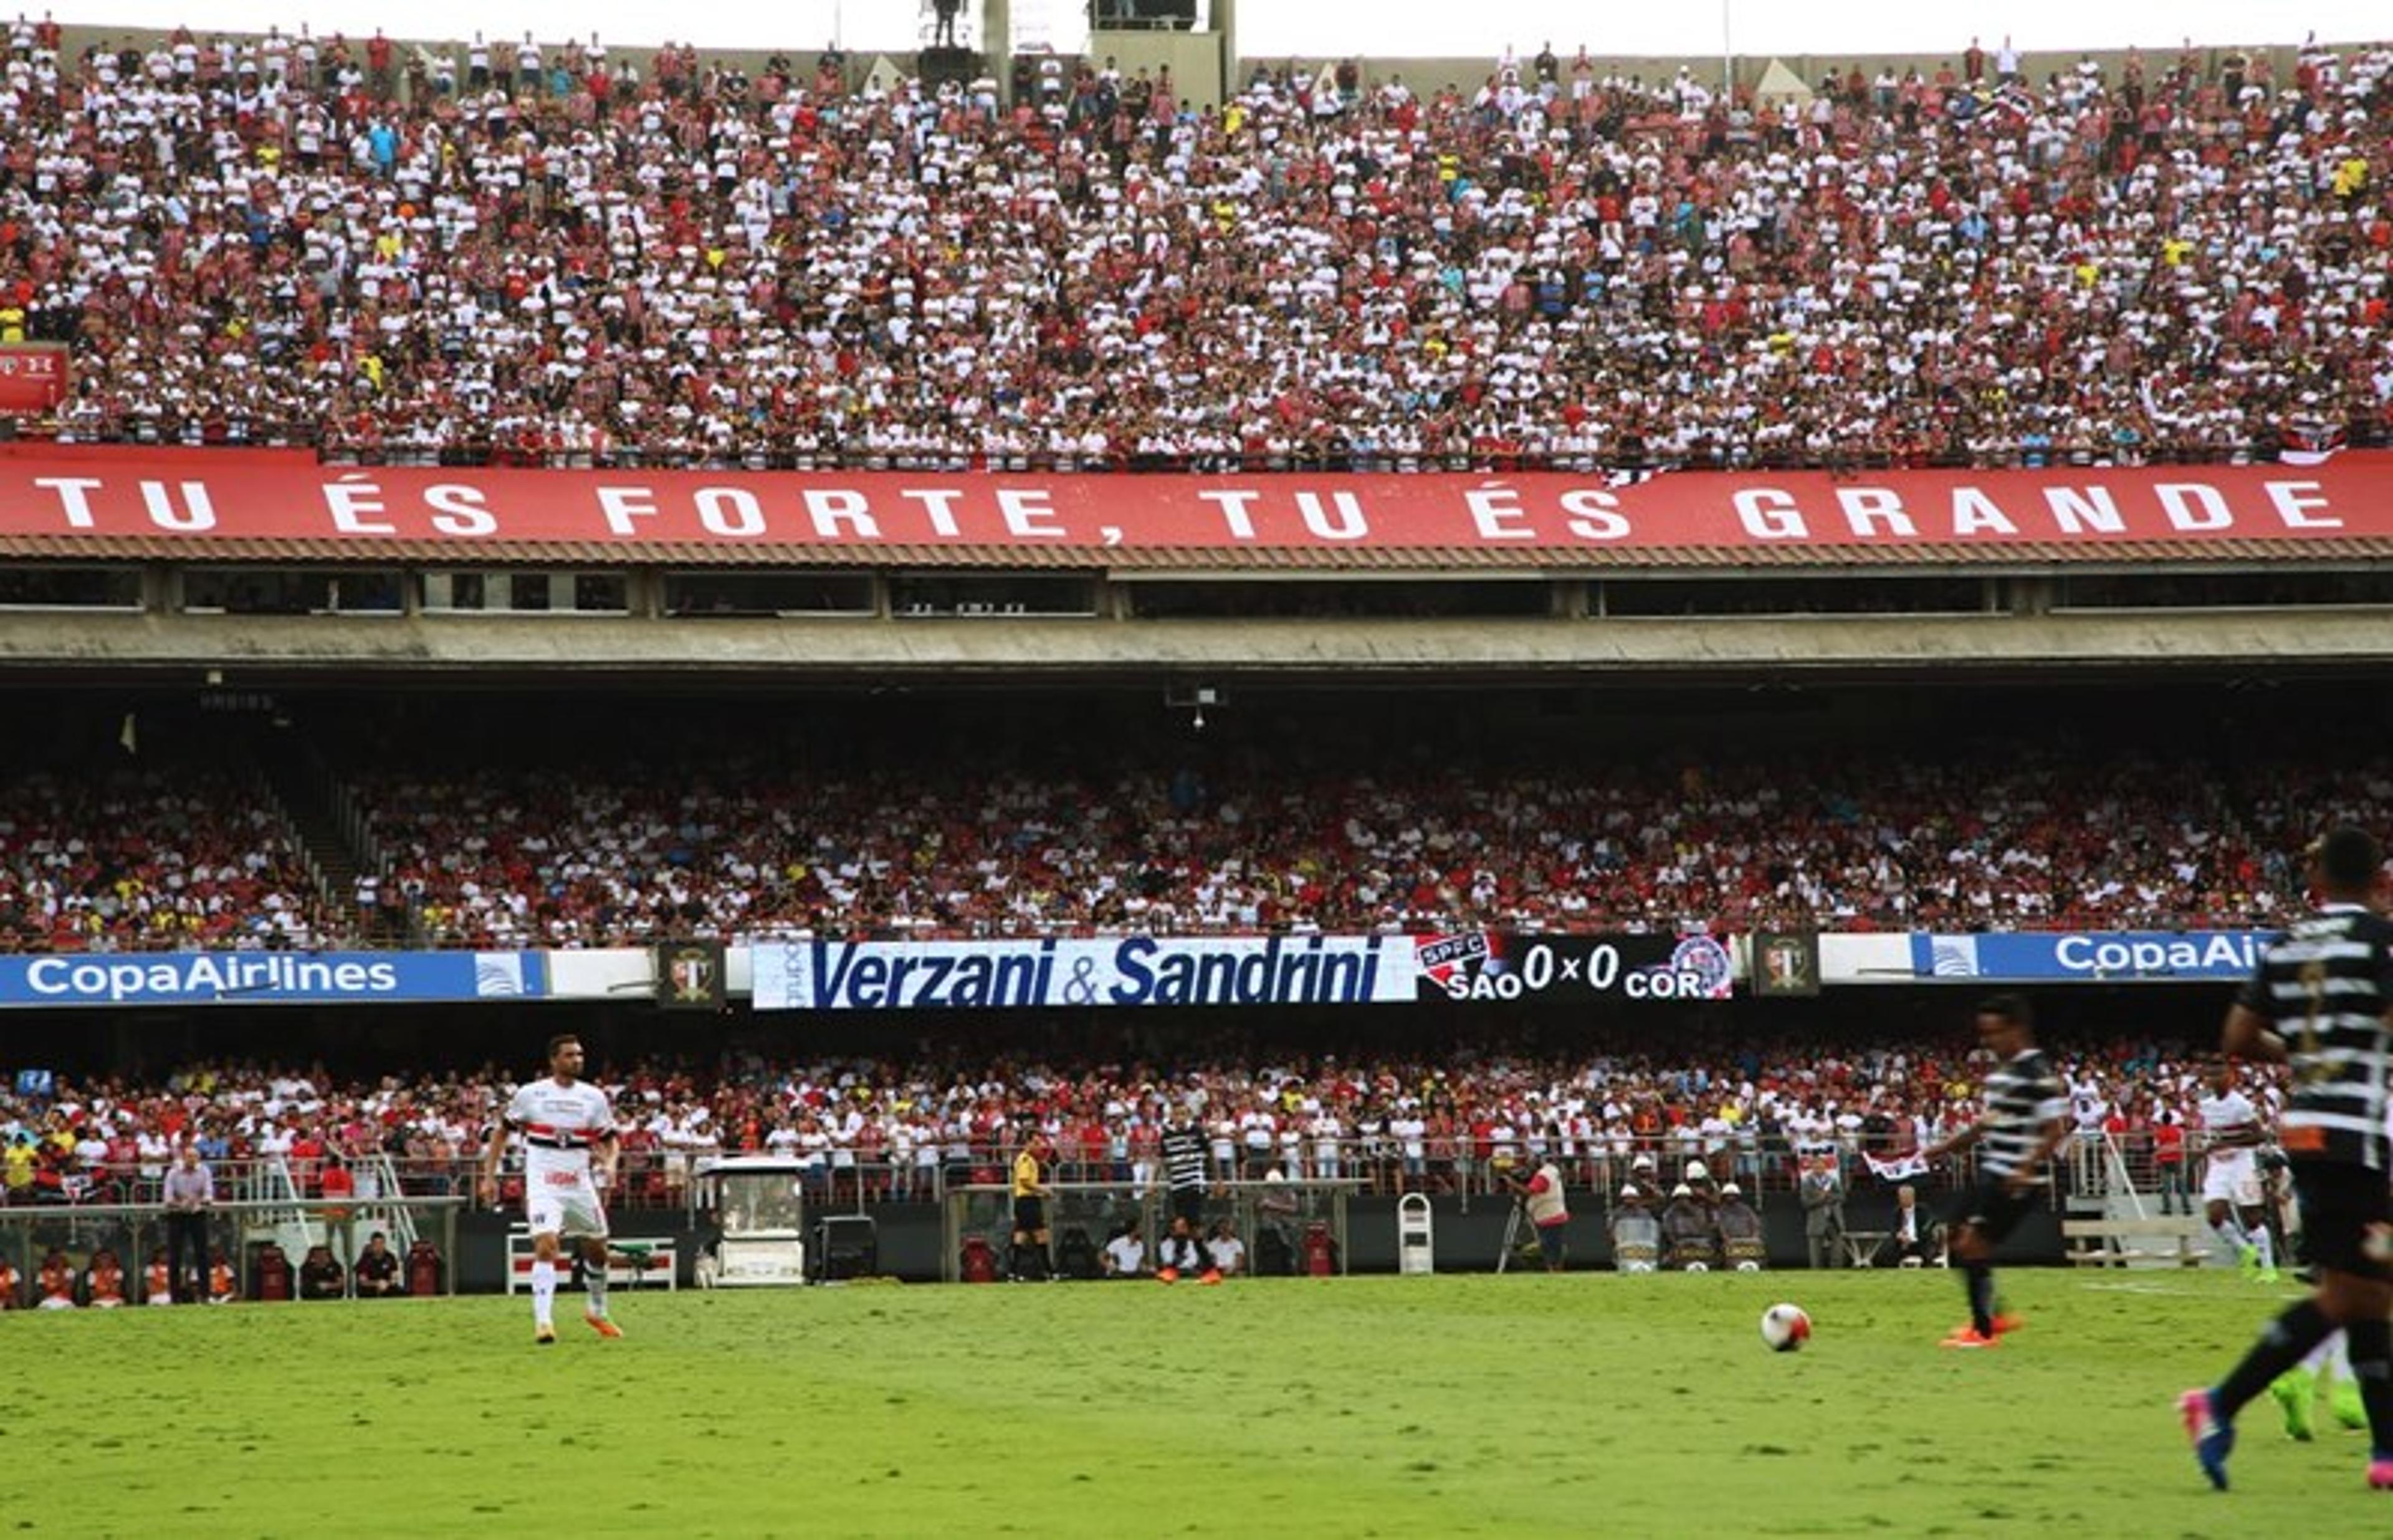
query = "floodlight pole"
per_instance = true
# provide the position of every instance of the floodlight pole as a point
(1728, 58)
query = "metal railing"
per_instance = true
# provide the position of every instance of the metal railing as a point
(771, 451)
(842, 1177)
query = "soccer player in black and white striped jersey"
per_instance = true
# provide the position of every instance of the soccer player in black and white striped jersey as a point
(2026, 1118)
(2319, 1003)
(1184, 1177)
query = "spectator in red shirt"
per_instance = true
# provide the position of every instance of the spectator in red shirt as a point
(2169, 1162)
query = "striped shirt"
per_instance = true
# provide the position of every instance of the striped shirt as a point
(2022, 1098)
(1183, 1158)
(2323, 985)
(559, 1124)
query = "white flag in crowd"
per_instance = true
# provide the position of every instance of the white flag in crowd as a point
(1912, 1164)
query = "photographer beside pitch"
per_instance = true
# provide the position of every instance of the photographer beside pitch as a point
(2318, 1002)
(1541, 1196)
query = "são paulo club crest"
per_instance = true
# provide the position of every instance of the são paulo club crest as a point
(1453, 961)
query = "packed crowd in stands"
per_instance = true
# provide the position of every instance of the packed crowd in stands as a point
(892, 1129)
(571, 255)
(152, 859)
(723, 840)
(1849, 841)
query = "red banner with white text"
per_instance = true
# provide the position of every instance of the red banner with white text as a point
(60, 495)
(33, 377)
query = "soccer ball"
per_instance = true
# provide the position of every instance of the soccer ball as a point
(1786, 1327)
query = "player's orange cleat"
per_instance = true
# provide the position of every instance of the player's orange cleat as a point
(544, 1336)
(2005, 1325)
(1212, 1275)
(1969, 1337)
(603, 1326)
(1167, 1275)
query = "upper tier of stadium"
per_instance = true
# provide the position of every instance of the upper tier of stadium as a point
(585, 822)
(637, 261)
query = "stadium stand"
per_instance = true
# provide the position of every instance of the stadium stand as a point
(590, 261)
(149, 857)
(904, 1127)
(847, 822)
(510, 823)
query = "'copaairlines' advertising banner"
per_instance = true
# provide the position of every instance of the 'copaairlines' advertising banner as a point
(1495, 965)
(933, 976)
(268, 978)
(2162, 956)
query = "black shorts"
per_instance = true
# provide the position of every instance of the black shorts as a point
(1993, 1208)
(1029, 1216)
(1188, 1203)
(2346, 1218)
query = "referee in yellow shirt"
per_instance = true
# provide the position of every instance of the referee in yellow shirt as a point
(1030, 1260)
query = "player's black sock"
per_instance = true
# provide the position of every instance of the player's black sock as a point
(2287, 1341)
(2372, 1366)
(1978, 1279)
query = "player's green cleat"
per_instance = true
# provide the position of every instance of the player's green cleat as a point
(2296, 1393)
(2247, 1261)
(2343, 1400)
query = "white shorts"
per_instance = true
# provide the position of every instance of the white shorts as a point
(2233, 1179)
(564, 1202)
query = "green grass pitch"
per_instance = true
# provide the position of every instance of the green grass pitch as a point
(1526, 1404)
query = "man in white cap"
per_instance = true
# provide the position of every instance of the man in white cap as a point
(1635, 1234)
(1740, 1230)
(1688, 1229)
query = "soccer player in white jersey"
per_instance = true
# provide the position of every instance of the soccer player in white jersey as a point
(2232, 1198)
(568, 1137)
